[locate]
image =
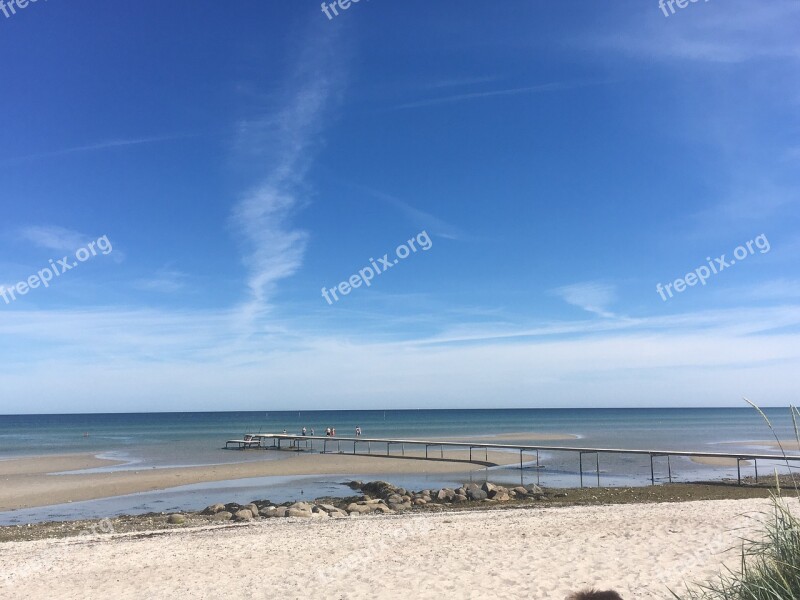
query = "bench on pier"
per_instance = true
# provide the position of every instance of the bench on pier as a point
(248, 442)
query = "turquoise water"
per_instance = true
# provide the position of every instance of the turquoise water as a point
(182, 439)
(162, 439)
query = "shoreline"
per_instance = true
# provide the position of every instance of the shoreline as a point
(531, 497)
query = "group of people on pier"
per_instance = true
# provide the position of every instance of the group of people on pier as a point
(329, 431)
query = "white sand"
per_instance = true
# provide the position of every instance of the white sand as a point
(534, 553)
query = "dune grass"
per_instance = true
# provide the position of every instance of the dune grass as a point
(770, 566)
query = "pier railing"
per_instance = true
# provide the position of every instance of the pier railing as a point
(255, 440)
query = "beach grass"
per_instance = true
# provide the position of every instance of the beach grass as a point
(770, 566)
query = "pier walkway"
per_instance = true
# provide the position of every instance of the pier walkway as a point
(298, 442)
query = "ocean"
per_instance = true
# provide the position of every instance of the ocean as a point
(161, 440)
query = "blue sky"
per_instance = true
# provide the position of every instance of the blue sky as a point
(563, 157)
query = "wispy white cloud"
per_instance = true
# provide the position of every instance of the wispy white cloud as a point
(776, 289)
(593, 297)
(687, 359)
(531, 89)
(54, 237)
(734, 31)
(420, 218)
(164, 280)
(287, 139)
(104, 145)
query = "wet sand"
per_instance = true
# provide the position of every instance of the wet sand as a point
(715, 461)
(27, 483)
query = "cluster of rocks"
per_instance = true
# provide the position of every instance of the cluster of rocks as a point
(399, 499)
(263, 509)
(379, 497)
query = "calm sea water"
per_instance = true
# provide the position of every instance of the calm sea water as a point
(182, 439)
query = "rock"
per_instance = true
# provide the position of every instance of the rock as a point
(222, 515)
(471, 486)
(176, 519)
(379, 489)
(359, 508)
(252, 508)
(476, 494)
(502, 497)
(243, 515)
(521, 491)
(400, 491)
(299, 512)
(460, 498)
(329, 508)
(446, 495)
(427, 498)
(213, 509)
(406, 498)
(281, 511)
(268, 512)
(394, 499)
(497, 491)
(301, 506)
(534, 489)
(461, 491)
(420, 502)
(383, 509)
(488, 487)
(355, 485)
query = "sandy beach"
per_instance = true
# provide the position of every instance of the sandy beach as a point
(28, 482)
(531, 553)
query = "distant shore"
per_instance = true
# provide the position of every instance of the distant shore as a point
(28, 483)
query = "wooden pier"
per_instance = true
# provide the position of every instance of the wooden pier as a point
(298, 442)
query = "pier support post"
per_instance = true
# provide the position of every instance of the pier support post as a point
(426, 450)
(324, 446)
(652, 472)
(598, 469)
(755, 462)
(470, 454)
(520, 459)
(669, 469)
(441, 450)
(354, 447)
(738, 471)
(403, 449)
(387, 448)
(580, 466)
